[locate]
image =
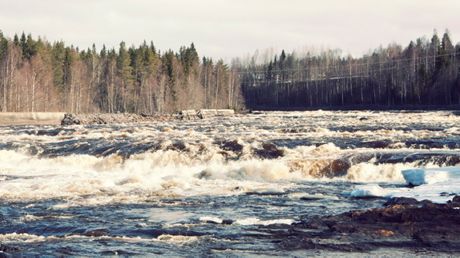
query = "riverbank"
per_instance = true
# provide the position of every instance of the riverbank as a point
(61, 118)
(31, 118)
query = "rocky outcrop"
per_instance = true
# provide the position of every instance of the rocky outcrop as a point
(86, 119)
(191, 114)
(402, 223)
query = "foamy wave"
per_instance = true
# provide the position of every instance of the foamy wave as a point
(369, 191)
(177, 239)
(246, 221)
(89, 180)
(366, 172)
(257, 221)
(24, 237)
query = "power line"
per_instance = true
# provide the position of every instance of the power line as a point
(356, 65)
(323, 74)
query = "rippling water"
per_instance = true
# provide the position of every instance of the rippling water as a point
(219, 187)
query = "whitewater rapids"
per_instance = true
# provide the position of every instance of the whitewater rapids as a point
(186, 179)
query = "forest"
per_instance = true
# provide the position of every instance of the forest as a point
(424, 74)
(38, 75)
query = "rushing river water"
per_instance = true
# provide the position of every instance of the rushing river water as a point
(217, 187)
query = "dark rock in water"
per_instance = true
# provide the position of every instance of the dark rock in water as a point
(227, 221)
(376, 144)
(70, 119)
(96, 232)
(363, 118)
(337, 167)
(329, 168)
(205, 174)
(177, 146)
(269, 151)
(447, 194)
(53, 132)
(456, 199)
(401, 201)
(231, 146)
(7, 250)
(455, 202)
(403, 223)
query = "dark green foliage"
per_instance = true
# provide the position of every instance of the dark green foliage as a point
(3, 46)
(16, 40)
(58, 58)
(423, 73)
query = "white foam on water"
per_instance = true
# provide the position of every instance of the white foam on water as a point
(367, 172)
(257, 221)
(247, 221)
(436, 184)
(211, 219)
(371, 190)
(24, 237)
(177, 239)
(89, 180)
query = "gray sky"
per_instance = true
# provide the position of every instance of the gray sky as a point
(230, 28)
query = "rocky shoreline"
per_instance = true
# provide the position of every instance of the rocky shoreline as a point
(116, 118)
(88, 119)
(404, 223)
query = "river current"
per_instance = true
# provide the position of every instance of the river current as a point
(228, 186)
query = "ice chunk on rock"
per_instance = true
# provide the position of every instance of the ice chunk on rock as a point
(420, 176)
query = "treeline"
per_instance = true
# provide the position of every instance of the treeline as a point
(37, 75)
(426, 72)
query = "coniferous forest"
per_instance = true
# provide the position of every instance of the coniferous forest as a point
(38, 75)
(423, 74)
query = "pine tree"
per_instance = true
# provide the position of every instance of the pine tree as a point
(16, 40)
(124, 71)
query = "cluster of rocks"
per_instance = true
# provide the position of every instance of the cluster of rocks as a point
(402, 223)
(192, 114)
(85, 119)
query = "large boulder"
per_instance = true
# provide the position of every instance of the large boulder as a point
(70, 119)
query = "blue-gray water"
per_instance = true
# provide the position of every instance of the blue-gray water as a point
(217, 187)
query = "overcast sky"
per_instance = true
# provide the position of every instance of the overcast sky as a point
(230, 28)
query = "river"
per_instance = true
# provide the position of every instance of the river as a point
(228, 186)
